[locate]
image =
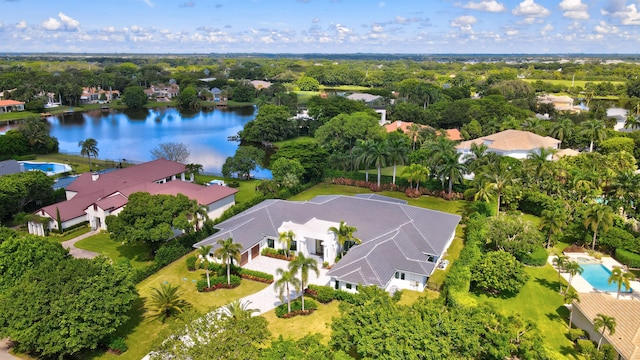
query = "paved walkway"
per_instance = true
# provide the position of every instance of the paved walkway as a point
(4, 350)
(80, 253)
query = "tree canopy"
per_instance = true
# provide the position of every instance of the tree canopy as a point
(271, 124)
(134, 97)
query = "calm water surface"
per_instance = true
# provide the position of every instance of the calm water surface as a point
(132, 135)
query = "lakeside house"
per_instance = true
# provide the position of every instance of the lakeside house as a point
(560, 103)
(93, 95)
(451, 134)
(162, 92)
(92, 197)
(260, 84)
(366, 98)
(513, 143)
(7, 106)
(401, 244)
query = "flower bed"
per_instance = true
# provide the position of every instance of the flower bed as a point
(391, 187)
(277, 254)
(296, 309)
(255, 275)
(218, 282)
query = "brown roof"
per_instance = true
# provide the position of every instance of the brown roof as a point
(404, 125)
(512, 140)
(453, 134)
(626, 338)
(10, 102)
(112, 202)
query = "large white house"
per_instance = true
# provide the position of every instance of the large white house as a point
(93, 197)
(401, 244)
(513, 143)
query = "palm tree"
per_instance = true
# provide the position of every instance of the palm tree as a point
(227, 251)
(397, 152)
(89, 147)
(632, 122)
(203, 258)
(287, 279)
(595, 130)
(362, 152)
(476, 157)
(198, 212)
(573, 268)
(626, 187)
(552, 221)
(417, 173)
(414, 133)
(498, 176)
(439, 150)
(569, 298)
(560, 261)
(596, 216)
(562, 129)
(344, 235)
(604, 322)
(239, 309)
(167, 301)
(537, 163)
(304, 264)
(379, 154)
(287, 239)
(452, 169)
(533, 125)
(621, 278)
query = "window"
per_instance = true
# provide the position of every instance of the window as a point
(294, 246)
(271, 243)
(348, 286)
(337, 285)
(399, 275)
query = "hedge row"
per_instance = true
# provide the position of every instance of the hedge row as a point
(296, 308)
(391, 187)
(218, 282)
(221, 270)
(277, 254)
(166, 254)
(255, 275)
(628, 258)
(326, 294)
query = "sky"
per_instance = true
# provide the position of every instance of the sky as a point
(321, 26)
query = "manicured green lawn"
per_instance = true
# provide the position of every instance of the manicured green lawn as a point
(246, 191)
(79, 164)
(141, 331)
(344, 88)
(580, 83)
(539, 302)
(299, 326)
(68, 235)
(386, 171)
(138, 254)
(298, 140)
(452, 254)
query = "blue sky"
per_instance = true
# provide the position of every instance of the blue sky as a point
(320, 26)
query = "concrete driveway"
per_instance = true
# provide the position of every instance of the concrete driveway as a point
(80, 253)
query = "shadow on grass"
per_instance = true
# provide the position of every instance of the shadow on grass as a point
(552, 285)
(139, 252)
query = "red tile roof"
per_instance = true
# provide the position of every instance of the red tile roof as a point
(10, 103)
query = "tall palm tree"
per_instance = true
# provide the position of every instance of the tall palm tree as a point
(439, 150)
(537, 163)
(287, 238)
(344, 235)
(417, 173)
(562, 128)
(626, 187)
(198, 212)
(598, 216)
(89, 147)
(620, 278)
(452, 169)
(604, 322)
(533, 125)
(572, 268)
(287, 280)
(304, 264)
(595, 130)
(362, 152)
(203, 258)
(569, 298)
(560, 261)
(379, 154)
(498, 176)
(239, 309)
(167, 301)
(414, 134)
(397, 153)
(552, 222)
(227, 251)
(476, 156)
(632, 122)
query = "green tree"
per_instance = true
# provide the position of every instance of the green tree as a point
(36, 132)
(569, 298)
(594, 130)
(187, 98)
(287, 239)
(552, 222)
(282, 167)
(244, 161)
(497, 177)
(307, 83)
(272, 123)
(499, 272)
(172, 151)
(362, 152)
(167, 301)
(621, 278)
(88, 148)
(203, 260)
(414, 134)
(603, 322)
(379, 154)
(560, 261)
(283, 285)
(344, 235)
(632, 122)
(311, 156)
(228, 251)
(397, 150)
(572, 268)
(198, 212)
(562, 129)
(417, 173)
(134, 97)
(304, 265)
(598, 216)
(239, 309)
(452, 169)
(20, 190)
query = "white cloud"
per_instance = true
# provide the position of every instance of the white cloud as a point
(574, 9)
(512, 32)
(604, 28)
(135, 29)
(315, 20)
(464, 22)
(21, 25)
(546, 29)
(68, 22)
(529, 8)
(149, 3)
(486, 5)
(629, 15)
(65, 23)
(51, 24)
(377, 28)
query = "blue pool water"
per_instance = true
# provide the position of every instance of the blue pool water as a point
(48, 168)
(597, 275)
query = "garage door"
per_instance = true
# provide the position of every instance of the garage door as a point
(244, 258)
(255, 251)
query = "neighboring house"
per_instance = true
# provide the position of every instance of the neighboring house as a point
(366, 98)
(162, 92)
(565, 152)
(626, 312)
(7, 106)
(560, 103)
(259, 84)
(92, 95)
(401, 244)
(93, 197)
(620, 115)
(513, 143)
(9, 167)
(452, 134)
(216, 93)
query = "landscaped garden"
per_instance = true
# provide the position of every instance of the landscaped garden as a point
(138, 254)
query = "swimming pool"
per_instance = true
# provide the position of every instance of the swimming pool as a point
(597, 276)
(48, 168)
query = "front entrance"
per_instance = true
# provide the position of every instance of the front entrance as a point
(319, 248)
(255, 251)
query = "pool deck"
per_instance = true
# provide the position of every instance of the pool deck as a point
(582, 286)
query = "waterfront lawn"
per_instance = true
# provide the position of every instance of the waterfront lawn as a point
(540, 303)
(141, 331)
(298, 140)
(246, 191)
(299, 326)
(79, 164)
(138, 254)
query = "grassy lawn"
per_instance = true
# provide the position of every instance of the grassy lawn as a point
(299, 326)
(409, 297)
(138, 254)
(303, 96)
(344, 88)
(246, 191)
(79, 164)
(580, 83)
(68, 235)
(532, 218)
(539, 302)
(452, 254)
(298, 140)
(141, 331)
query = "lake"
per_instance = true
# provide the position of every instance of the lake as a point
(132, 135)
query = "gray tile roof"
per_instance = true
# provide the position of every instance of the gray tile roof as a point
(394, 235)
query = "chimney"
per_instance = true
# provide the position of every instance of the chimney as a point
(94, 176)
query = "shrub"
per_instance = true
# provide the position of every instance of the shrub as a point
(346, 296)
(117, 345)
(608, 352)
(277, 254)
(324, 294)
(538, 257)
(397, 295)
(169, 253)
(575, 334)
(586, 348)
(201, 285)
(191, 263)
(234, 184)
(218, 282)
(616, 238)
(255, 275)
(534, 202)
(628, 258)
(296, 308)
